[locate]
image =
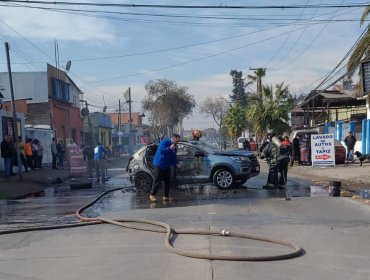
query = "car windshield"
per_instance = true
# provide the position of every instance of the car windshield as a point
(140, 150)
(209, 147)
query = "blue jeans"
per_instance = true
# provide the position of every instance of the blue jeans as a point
(8, 167)
(350, 154)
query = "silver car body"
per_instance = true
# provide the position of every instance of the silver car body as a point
(196, 165)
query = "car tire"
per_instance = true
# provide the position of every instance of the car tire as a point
(223, 179)
(143, 181)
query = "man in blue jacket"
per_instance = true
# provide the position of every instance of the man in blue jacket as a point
(99, 158)
(164, 159)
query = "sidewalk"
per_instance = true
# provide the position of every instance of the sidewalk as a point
(352, 175)
(33, 181)
(37, 180)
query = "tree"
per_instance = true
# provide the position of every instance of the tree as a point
(217, 108)
(260, 72)
(168, 104)
(270, 111)
(362, 47)
(239, 95)
(235, 121)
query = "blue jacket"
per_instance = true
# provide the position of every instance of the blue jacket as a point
(98, 152)
(165, 157)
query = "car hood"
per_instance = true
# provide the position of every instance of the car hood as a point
(234, 153)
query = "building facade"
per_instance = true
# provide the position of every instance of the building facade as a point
(50, 99)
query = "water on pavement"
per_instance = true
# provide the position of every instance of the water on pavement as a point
(57, 204)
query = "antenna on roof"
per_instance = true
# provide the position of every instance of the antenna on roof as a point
(68, 65)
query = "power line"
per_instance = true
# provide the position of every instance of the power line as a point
(250, 17)
(306, 48)
(194, 60)
(326, 77)
(160, 6)
(309, 45)
(287, 37)
(24, 57)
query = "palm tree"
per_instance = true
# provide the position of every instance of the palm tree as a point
(235, 121)
(271, 110)
(260, 72)
(362, 48)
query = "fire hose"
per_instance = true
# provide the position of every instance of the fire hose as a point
(161, 227)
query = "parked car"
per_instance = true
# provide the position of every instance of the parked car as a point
(197, 163)
(240, 142)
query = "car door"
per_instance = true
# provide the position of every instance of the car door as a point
(192, 164)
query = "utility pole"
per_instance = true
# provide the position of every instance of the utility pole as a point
(91, 135)
(119, 127)
(260, 72)
(15, 129)
(129, 122)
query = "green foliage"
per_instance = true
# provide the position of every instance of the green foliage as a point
(259, 74)
(362, 47)
(239, 95)
(270, 111)
(235, 121)
(167, 103)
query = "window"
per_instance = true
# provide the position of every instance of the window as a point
(184, 150)
(60, 89)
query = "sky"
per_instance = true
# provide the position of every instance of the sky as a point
(197, 48)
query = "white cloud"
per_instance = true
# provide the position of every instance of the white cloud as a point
(42, 25)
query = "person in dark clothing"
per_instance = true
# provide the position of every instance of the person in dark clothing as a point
(246, 145)
(350, 142)
(7, 152)
(54, 153)
(88, 153)
(277, 156)
(35, 150)
(61, 149)
(164, 159)
(296, 150)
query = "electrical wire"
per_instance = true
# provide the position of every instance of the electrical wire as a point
(193, 60)
(161, 6)
(287, 37)
(249, 17)
(325, 78)
(308, 46)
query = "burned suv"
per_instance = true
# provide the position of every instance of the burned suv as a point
(196, 163)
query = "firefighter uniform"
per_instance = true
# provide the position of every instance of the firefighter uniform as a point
(277, 156)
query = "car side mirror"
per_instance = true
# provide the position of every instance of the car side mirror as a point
(198, 154)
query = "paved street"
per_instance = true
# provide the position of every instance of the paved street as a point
(332, 231)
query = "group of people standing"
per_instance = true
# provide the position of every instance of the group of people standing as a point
(33, 151)
(31, 154)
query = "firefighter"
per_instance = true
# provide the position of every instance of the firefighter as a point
(277, 156)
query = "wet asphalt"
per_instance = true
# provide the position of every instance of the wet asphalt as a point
(58, 203)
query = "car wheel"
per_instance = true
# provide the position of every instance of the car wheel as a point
(143, 181)
(223, 179)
